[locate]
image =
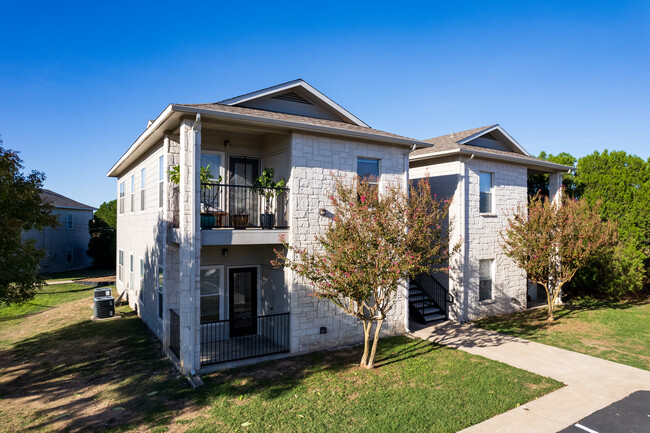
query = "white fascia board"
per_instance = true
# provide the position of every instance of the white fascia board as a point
(501, 130)
(167, 112)
(290, 85)
(75, 208)
(286, 124)
(487, 155)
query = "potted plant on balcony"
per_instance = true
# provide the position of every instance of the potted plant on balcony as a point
(267, 188)
(208, 217)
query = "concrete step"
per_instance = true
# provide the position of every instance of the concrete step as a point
(433, 317)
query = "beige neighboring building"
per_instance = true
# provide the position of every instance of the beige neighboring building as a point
(194, 259)
(485, 171)
(66, 244)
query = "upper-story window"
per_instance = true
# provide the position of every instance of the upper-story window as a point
(486, 193)
(161, 178)
(143, 183)
(121, 197)
(132, 193)
(368, 169)
(69, 221)
(486, 278)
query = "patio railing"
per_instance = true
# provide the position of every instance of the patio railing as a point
(238, 206)
(267, 335)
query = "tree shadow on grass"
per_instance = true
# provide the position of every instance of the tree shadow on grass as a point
(529, 323)
(90, 376)
(94, 376)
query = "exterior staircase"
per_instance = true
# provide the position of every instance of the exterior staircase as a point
(428, 299)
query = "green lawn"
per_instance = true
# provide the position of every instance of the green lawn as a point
(617, 331)
(59, 371)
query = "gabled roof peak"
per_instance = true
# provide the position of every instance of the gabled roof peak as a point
(297, 91)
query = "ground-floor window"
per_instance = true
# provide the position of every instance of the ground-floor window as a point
(131, 272)
(486, 276)
(212, 294)
(120, 267)
(68, 255)
(142, 280)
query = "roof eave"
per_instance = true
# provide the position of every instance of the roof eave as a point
(502, 131)
(528, 162)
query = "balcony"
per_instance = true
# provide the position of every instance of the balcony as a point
(235, 214)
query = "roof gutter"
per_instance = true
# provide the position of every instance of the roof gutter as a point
(488, 155)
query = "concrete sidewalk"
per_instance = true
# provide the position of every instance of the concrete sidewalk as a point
(592, 383)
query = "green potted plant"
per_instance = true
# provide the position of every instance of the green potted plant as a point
(267, 188)
(208, 217)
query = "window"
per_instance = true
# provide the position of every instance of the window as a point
(486, 276)
(212, 294)
(161, 178)
(69, 222)
(131, 271)
(143, 182)
(160, 292)
(485, 186)
(68, 255)
(141, 280)
(120, 267)
(368, 169)
(132, 193)
(121, 197)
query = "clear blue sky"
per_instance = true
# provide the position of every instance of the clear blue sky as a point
(78, 81)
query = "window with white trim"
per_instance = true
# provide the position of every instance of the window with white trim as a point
(68, 255)
(131, 272)
(213, 305)
(143, 183)
(141, 280)
(161, 179)
(70, 220)
(132, 193)
(368, 169)
(121, 198)
(161, 303)
(120, 265)
(486, 193)
(486, 278)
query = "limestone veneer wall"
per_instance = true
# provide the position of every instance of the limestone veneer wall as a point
(315, 160)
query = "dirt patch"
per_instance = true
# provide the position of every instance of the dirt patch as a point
(63, 372)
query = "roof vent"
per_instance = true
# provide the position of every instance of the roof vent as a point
(293, 97)
(149, 123)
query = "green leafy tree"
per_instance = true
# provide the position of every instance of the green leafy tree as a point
(374, 242)
(21, 208)
(552, 242)
(539, 183)
(103, 231)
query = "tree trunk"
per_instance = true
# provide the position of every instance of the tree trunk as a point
(367, 324)
(549, 303)
(371, 360)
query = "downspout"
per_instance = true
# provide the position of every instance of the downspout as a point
(462, 211)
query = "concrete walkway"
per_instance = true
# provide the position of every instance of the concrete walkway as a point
(592, 383)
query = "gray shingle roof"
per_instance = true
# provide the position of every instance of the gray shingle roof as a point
(295, 118)
(450, 142)
(58, 200)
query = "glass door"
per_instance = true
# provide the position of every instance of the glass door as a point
(243, 202)
(242, 284)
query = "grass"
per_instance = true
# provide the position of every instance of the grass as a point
(616, 331)
(60, 371)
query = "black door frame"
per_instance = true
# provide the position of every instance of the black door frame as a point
(237, 328)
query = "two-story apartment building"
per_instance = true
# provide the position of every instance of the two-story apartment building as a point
(485, 172)
(65, 245)
(194, 256)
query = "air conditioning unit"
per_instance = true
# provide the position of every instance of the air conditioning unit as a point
(100, 293)
(104, 307)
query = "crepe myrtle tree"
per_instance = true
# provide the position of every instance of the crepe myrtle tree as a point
(552, 240)
(374, 241)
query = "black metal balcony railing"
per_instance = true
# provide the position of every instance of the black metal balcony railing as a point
(243, 206)
(268, 335)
